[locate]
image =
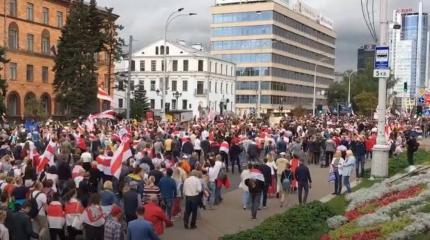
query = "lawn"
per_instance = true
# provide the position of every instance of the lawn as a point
(309, 222)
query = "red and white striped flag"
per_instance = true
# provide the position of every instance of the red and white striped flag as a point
(47, 157)
(103, 95)
(120, 155)
(109, 114)
(103, 164)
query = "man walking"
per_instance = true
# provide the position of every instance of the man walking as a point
(168, 191)
(303, 177)
(140, 228)
(281, 163)
(192, 188)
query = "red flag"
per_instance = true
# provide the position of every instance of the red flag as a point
(103, 164)
(47, 157)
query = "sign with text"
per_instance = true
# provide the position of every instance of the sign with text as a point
(381, 73)
(382, 57)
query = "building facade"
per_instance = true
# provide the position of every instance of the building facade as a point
(277, 47)
(409, 53)
(366, 57)
(196, 81)
(29, 31)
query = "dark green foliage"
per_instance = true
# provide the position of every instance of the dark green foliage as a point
(139, 104)
(298, 223)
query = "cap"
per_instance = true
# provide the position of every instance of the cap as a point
(86, 157)
(282, 154)
(115, 211)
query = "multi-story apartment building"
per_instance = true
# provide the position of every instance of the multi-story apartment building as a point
(29, 31)
(196, 81)
(279, 48)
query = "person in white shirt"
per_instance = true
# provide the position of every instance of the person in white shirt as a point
(197, 148)
(192, 189)
(245, 195)
(213, 172)
(41, 220)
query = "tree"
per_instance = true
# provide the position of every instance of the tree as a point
(34, 108)
(298, 111)
(139, 104)
(337, 94)
(3, 83)
(366, 103)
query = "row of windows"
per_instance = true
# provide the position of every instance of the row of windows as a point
(222, 69)
(281, 73)
(302, 40)
(252, 99)
(301, 52)
(13, 40)
(242, 17)
(247, 58)
(13, 72)
(13, 12)
(161, 51)
(301, 64)
(242, 31)
(303, 28)
(275, 86)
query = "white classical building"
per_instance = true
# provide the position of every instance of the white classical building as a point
(196, 81)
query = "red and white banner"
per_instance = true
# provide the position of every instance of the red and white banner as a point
(109, 114)
(103, 164)
(47, 157)
(103, 95)
(120, 155)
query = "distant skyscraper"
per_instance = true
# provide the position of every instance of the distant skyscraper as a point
(409, 52)
(365, 56)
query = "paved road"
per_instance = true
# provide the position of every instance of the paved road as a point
(229, 217)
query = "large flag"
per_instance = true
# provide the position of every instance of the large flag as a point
(109, 114)
(103, 164)
(120, 155)
(47, 157)
(103, 95)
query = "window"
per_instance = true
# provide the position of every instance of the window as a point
(120, 85)
(153, 65)
(174, 85)
(175, 65)
(200, 66)
(184, 104)
(200, 88)
(221, 68)
(153, 103)
(30, 42)
(45, 13)
(45, 74)
(107, 83)
(220, 88)
(156, 50)
(45, 42)
(152, 85)
(210, 86)
(185, 86)
(167, 50)
(226, 88)
(59, 19)
(185, 67)
(13, 71)
(142, 66)
(132, 85)
(162, 50)
(173, 104)
(13, 36)
(12, 8)
(216, 68)
(30, 8)
(162, 65)
(30, 72)
(216, 87)
(120, 103)
(133, 65)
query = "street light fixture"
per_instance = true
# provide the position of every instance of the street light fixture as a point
(349, 87)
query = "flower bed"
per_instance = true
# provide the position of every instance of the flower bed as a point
(387, 210)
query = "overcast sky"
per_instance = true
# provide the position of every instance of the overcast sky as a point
(145, 19)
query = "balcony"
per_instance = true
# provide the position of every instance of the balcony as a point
(200, 92)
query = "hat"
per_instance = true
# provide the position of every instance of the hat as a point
(115, 211)
(282, 154)
(86, 157)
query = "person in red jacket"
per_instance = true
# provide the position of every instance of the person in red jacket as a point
(155, 215)
(369, 143)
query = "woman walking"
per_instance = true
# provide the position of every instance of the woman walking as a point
(336, 169)
(347, 168)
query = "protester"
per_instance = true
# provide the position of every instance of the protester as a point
(286, 179)
(113, 228)
(168, 192)
(347, 168)
(94, 219)
(303, 177)
(155, 215)
(140, 228)
(192, 189)
(256, 185)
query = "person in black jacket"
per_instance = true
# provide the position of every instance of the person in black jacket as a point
(131, 201)
(22, 228)
(205, 145)
(412, 147)
(267, 173)
(303, 177)
(235, 151)
(187, 147)
(255, 187)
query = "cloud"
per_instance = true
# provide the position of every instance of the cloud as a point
(145, 19)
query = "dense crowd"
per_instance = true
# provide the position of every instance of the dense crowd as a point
(115, 179)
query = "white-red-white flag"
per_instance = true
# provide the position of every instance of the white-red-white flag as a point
(109, 114)
(47, 157)
(103, 95)
(103, 164)
(120, 155)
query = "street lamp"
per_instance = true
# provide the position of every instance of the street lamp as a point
(177, 95)
(315, 85)
(349, 87)
(169, 20)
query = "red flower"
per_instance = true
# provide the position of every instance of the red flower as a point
(367, 235)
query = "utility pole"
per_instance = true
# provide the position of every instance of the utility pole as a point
(380, 150)
(130, 60)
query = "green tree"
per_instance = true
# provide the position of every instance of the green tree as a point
(3, 83)
(139, 105)
(298, 111)
(366, 103)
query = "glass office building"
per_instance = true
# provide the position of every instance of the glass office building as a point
(277, 47)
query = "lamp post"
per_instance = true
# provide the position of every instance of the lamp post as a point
(349, 87)
(177, 95)
(169, 20)
(314, 102)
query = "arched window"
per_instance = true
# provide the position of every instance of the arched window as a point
(167, 50)
(45, 42)
(156, 50)
(30, 103)
(162, 50)
(13, 36)
(13, 104)
(45, 101)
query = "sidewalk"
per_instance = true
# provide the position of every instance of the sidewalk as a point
(229, 217)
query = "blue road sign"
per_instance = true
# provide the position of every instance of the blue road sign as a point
(421, 100)
(382, 57)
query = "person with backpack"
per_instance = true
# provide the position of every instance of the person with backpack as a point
(287, 177)
(38, 203)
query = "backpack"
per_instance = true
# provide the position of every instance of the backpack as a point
(222, 173)
(286, 185)
(34, 209)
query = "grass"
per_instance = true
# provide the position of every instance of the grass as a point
(398, 163)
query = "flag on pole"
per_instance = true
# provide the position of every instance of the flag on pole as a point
(47, 157)
(103, 164)
(103, 95)
(120, 155)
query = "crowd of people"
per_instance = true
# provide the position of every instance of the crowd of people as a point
(65, 181)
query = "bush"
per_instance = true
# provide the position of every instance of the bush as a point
(299, 223)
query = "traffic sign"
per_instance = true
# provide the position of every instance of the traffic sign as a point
(421, 100)
(381, 73)
(382, 57)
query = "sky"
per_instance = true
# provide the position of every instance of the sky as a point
(144, 19)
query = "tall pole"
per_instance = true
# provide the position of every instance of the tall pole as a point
(349, 88)
(314, 102)
(259, 93)
(130, 60)
(380, 150)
